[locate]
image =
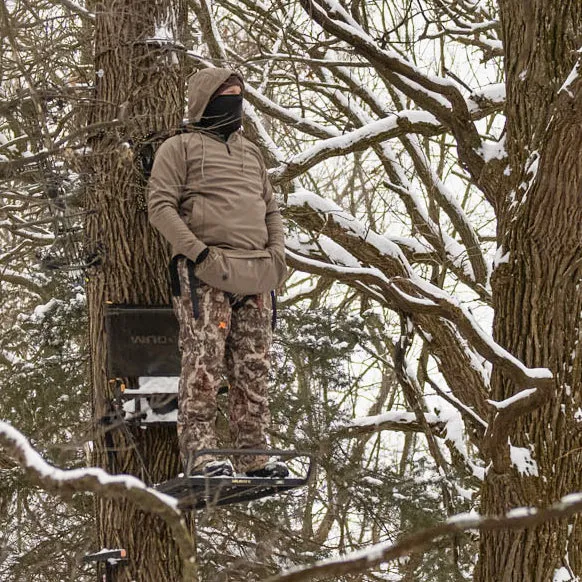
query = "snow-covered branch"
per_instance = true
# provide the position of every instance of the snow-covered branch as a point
(78, 10)
(394, 421)
(430, 299)
(573, 77)
(374, 556)
(265, 105)
(448, 202)
(412, 295)
(357, 140)
(33, 284)
(437, 95)
(370, 264)
(94, 480)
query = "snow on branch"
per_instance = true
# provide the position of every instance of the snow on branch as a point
(79, 10)
(332, 17)
(467, 263)
(395, 421)
(360, 139)
(448, 202)
(411, 294)
(10, 359)
(501, 405)
(94, 480)
(437, 95)
(330, 211)
(384, 245)
(380, 260)
(481, 34)
(444, 245)
(378, 554)
(395, 281)
(271, 151)
(487, 100)
(32, 283)
(433, 299)
(209, 28)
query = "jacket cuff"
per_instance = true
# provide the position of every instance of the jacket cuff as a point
(202, 255)
(277, 250)
(192, 249)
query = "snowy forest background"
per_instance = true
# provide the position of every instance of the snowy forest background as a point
(426, 353)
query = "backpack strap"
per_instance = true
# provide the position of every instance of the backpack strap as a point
(193, 281)
(194, 284)
(174, 277)
(274, 308)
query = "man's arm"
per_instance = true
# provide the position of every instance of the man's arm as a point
(273, 218)
(164, 193)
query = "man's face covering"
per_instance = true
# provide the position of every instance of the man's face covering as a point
(223, 114)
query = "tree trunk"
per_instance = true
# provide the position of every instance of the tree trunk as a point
(537, 294)
(140, 84)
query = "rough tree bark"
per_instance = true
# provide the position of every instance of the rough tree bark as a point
(537, 295)
(139, 84)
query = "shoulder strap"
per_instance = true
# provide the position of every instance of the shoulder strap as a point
(145, 148)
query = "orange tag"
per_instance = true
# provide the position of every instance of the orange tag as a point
(222, 325)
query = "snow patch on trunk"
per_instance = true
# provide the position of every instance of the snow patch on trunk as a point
(522, 460)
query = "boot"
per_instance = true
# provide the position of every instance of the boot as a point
(213, 469)
(270, 470)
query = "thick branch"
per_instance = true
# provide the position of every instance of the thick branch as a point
(394, 421)
(97, 481)
(462, 373)
(21, 280)
(364, 560)
(418, 298)
(355, 141)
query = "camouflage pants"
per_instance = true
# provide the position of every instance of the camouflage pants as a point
(234, 338)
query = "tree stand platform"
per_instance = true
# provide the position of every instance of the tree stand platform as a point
(200, 491)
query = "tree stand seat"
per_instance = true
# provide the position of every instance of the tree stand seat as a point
(143, 362)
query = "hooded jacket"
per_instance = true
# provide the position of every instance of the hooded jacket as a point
(207, 192)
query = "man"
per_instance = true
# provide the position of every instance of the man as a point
(210, 197)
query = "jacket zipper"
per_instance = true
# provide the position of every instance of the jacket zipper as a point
(228, 149)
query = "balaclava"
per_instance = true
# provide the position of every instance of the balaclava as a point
(223, 114)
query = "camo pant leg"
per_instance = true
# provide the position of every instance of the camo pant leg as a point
(248, 364)
(202, 345)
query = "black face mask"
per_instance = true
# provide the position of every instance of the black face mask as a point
(223, 115)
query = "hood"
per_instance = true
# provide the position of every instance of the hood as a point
(201, 86)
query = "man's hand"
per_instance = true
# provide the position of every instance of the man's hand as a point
(278, 255)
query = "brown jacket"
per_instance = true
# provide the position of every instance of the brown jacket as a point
(207, 192)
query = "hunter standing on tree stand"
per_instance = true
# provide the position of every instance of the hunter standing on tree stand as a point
(210, 197)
